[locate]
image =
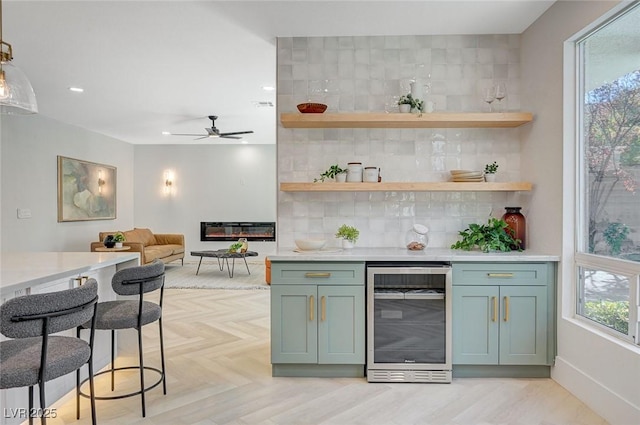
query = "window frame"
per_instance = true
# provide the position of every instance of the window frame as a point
(581, 258)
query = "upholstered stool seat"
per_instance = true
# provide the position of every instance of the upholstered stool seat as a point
(124, 314)
(20, 359)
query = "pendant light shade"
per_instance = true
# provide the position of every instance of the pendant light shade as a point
(16, 93)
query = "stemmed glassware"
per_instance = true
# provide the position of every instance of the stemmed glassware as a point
(489, 95)
(501, 92)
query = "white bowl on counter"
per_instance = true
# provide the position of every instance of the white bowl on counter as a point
(310, 244)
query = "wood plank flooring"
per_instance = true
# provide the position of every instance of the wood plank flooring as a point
(217, 348)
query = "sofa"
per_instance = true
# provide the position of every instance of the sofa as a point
(164, 246)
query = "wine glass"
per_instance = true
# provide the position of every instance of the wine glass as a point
(501, 92)
(489, 95)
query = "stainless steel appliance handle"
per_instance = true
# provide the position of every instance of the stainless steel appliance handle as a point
(423, 296)
(383, 296)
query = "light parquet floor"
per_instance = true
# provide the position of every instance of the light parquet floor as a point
(217, 348)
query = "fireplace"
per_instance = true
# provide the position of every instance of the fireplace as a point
(232, 231)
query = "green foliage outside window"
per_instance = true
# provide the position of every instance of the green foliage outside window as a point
(613, 314)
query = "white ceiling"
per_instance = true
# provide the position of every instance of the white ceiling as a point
(153, 66)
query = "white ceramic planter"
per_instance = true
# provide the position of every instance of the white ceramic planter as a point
(404, 108)
(118, 244)
(346, 244)
(490, 177)
(341, 178)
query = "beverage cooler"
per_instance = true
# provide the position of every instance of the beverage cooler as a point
(409, 322)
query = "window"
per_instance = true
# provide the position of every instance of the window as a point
(608, 181)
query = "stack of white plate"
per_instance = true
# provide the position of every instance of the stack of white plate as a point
(466, 176)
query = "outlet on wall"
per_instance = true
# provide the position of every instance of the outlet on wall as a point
(24, 213)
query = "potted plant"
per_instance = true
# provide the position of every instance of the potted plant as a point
(333, 172)
(492, 236)
(349, 235)
(490, 171)
(234, 247)
(118, 238)
(407, 103)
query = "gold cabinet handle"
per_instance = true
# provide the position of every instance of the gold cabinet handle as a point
(506, 309)
(311, 308)
(316, 274)
(503, 275)
(323, 312)
(494, 313)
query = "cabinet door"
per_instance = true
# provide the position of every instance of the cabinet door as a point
(341, 325)
(294, 333)
(523, 325)
(475, 324)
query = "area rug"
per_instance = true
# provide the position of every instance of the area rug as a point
(211, 277)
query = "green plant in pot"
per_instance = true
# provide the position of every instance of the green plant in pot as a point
(490, 171)
(493, 236)
(413, 103)
(118, 238)
(331, 173)
(349, 235)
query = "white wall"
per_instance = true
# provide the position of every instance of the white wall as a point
(30, 146)
(597, 369)
(212, 183)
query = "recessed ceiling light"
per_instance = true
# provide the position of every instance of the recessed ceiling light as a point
(268, 88)
(166, 133)
(76, 89)
(244, 142)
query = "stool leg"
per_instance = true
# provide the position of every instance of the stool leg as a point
(164, 374)
(93, 393)
(43, 404)
(78, 384)
(30, 405)
(113, 358)
(141, 371)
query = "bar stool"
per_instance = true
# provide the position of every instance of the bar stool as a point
(133, 314)
(33, 357)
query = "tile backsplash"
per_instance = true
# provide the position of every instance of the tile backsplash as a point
(369, 74)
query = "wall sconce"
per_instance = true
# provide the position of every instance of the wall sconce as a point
(168, 181)
(101, 181)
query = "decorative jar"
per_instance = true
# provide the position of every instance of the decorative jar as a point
(518, 225)
(417, 238)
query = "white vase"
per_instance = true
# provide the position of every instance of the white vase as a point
(404, 108)
(490, 177)
(347, 244)
(341, 178)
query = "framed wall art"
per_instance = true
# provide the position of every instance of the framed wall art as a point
(86, 190)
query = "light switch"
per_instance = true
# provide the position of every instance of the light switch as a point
(24, 213)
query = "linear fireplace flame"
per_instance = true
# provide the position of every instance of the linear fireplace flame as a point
(232, 231)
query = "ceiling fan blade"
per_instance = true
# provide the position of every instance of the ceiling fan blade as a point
(186, 134)
(234, 133)
(200, 138)
(230, 137)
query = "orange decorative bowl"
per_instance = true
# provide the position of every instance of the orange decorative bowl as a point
(312, 108)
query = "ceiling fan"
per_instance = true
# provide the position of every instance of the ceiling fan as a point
(214, 132)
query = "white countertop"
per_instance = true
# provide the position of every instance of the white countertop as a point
(403, 254)
(25, 269)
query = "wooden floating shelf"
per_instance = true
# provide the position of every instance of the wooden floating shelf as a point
(407, 120)
(406, 187)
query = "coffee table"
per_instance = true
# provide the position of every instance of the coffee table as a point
(223, 256)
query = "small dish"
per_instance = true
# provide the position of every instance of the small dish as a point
(312, 108)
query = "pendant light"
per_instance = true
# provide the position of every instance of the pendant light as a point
(16, 93)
